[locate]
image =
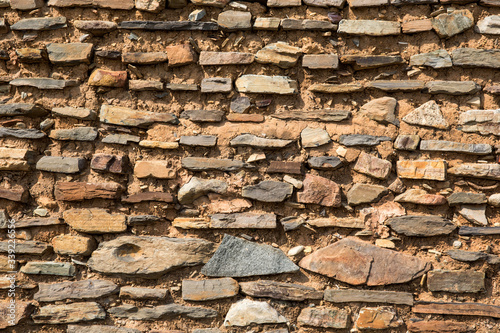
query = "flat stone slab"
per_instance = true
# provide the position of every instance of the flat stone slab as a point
(247, 312)
(365, 193)
(207, 290)
(294, 168)
(474, 213)
(95, 220)
(452, 87)
(314, 137)
(22, 109)
(208, 58)
(129, 117)
(243, 220)
(236, 257)
(198, 140)
(280, 54)
(337, 222)
(471, 256)
(121, 139)
(368, 296)
(320, 61)
(458, 309)
(369, 27)
(48, 268)
(456, 147)
(168, 25)
(112, 4)
(442, 326)
(141, 293)
(203, 116)
(355, 262)
(20, 133)
(32, 222)
(484, 122)
(43, 83)
(84, 289)
(96, 27)
(479, 231)
(372, 166)
(61, 164)
(149, 196)
(324, 115)
(268, 191)
(422, 169)
(262, 84)
(324, 162)
(79, 191)
(216, 85)
(320, 191)
(296, 24)
(75, 134)
(280, 290)
(350, 140)
(100, 329)
(144, 58)
(328, 88)
(40, 24)
(476, 170)
(469, 57)
(148, 255)
(448, 25)
(324, 317)
(161, 312)
(421, 226)
(455, 281)
(397, 85)
(360, 62)
(435, 59)
(77, 113)
(380, 318)
(468, 198)
(69, 313)
(197, 187)
(69, 53)
(250, 140)
(26, 247)
(207, 163)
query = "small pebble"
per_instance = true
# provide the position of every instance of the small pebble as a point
(296, 250)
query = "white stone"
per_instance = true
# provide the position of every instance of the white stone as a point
(247, 312)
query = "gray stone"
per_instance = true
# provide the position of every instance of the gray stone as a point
(324, 162)
(40, 24)
(320, 61)
(407, 142)
(468, 198)
(280, 54)
(69, 313)
(263, 84)
(350, 140)
(428, 114)
(78, 113)
(365, 193)
(121, 139)
(207, 290)
(144, 58)
(329, 88)
(452, 87)
(148, 256)
(26, 4)
(325, 115)
(203, 116)
(97, 28)
(247, 312)
(161, 312)
(314, 137)
(235, 20)
(290, 223)
(75, 134)
(216, 85)
(142, 219)
(48, 268)
(456, 147)
(268, 191)
(112, 4)
(142, 293)
(489, 25)
(435, 59)
(474, 213)
(296, 24)
(250, 140)
(21, 133)
(153, 6)
(43, 83)
(421, 226)
(397, 85)
(494, 200)
(361, 62)
(206, 163)
(280, 290)
(100, 329)
(61, 164)
(236, 257)
(470, 57)
(22, 109)
(448, 25)
(484, 122)
(199, 140)
(479, 170)
(26, 247)
(243, 220)
(240, 104)
(168, 25)
(69, 53)
(368, 296)
(369, 27)
(197, 14)
(455, 281)
(84, 289)
(471, 256)
(197, 187)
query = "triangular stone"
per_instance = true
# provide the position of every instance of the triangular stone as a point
(427, 114)
(236, 257)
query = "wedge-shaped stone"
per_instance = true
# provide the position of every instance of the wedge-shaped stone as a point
(243, 220)
(421, 197)
(70, 53)
(365, 193)
(236, 257)
(471, 256)
(421, 226)
(208, 58)
(26, 247)
(474, 213)
(324, 115)
(207, 290)
(324, 162)
(95, 220)
(111, 79)
(350, 140)
(18, 194)
(355, 262)
(72, 112)
(320, 191)
(22, 109)
(360, 62)
(262, 84)
(48, 268)
(197, 187)
(247, 312)
(97, 28)
(397, 85)
(323, 317)
(435, 59)
(280, 290)
(100, 329)
(448, 25)
(328, 88)
(69, 313)
(148, 256)
(467, 198)
(295, 24)
(249, 140)
(112, 4)
(456, 147)
(268, 191)
(75, 134)
(168, 25)
(267, 23)
(486, 170)
(109, 163)
(84, 289)
(320, 61)
(43, 83)
(469, 57)
(428, 114)
(206, 163)
(380, 318)
(480, 121)
(79, 191)
(61, 164)
(368, 296)
(437, 326)
(40, 24)
(129, 117)
(144, 58)
(373, 166)
(145, 85)
(452, 87)
(369, 27)
(141, 293)
(458, 309)
(422, 169)
(161, 312)
(203, 116)
(73, 245)
(455, 281)
(314, 137)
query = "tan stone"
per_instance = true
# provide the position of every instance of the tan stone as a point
(105, 78)
(410, 27)
(373, 166)
(95, 220)
(422, 169)
(73, 245)
(206, 290)
(179, 55)
(158, 144)
(154, 169)
(380, 318)
(7, 265)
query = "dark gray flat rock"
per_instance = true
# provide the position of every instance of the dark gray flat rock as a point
(168, 25)
(421, 226)
(20, 133)
(362, 140)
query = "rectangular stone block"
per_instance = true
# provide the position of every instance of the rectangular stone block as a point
(208, 58)
(112, 4)
(320, 61)
(109, 163)
(95, 221)
(267, 23)
(411, 27)
(369, 27)
(79, 191)
(262, 84)
(154, 169)
(455, 281)
(61, 164)
(422, 169)
(216, 85)
(368, 296)
(144, 58)
(129, 117)
(70, 53)
(477, 170)
(207, 290)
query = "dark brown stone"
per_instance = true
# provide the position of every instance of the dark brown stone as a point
(17, 194)
(455, 281)
(109, 163)
(458, 309)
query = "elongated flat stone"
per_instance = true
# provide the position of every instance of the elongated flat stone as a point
(148, 255)
(121, 139)
(43, 83)
(323, 317)
(268, 191)
(324, 115)
(457, 147)
(411, 27)
(325, 3)
(469, 57)
(144, 58)
(75, 134)
(216, 85)
(69, 53)
(129, 117)
(368, 296)
(33, 222)
(328, 88)
(207, 290)
(206, 163)
(97, 28)
(154, 169)
(112, 4)
(441, 326)
(267, 23)
(73, 245)
(243, 220)
(435, 59)
(159, 144)
(467, 198)
(476, 170)
(149, 196)
(484, 122)
(100, 329)
(48, 268)
(40, 24)
(369, 27)
(84, 289)
(320, 61)
(20, 133)
(22, 109)
(360, 62)
(355, 262)
(455, 281)
(161, 312)
(324, 162)
(236, 257)
(479, 231)
(262, 84)
(249, 140)
(379, 318)
(69, 313)
(285, 167)
(142, 293)
(78, 191)
(296, 24)
(367, 3)
(397, 85)
(168, 25)
(421, 226)
(452, 87)
(422, 169)
(280, 54)
(421, 197)
(471, 256)
(280, 290)
(26, 247)
(145, 85)
(203, 116)
(198, 140)
(61, 164)
(339, 222)
(350, 140)
(208, 58)
(458, 309)
(78, 113)
(95, 220)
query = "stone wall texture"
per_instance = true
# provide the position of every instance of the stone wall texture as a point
(249, 166)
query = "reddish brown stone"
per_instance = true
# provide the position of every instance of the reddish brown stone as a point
(320, 191)
(104, 78)
(458, 309)
(285, 167)
(17, 194)
(22, 310)
(109, 163)
(380, 318)
(78, 191)
(149, 196)
(245, 117)
(421, 197)
(437, 326)
(179, 55)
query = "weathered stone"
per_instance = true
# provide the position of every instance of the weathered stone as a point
(360, 62)
(112, 4)
(78, 113)
(455, 281)
(21, 310)
(144, 58)
(109, 163)
(328, 88)
(148, 255)
(206, 290)
(208, 58)
(161, 312)
(421, 226)
(108, 54)
(381, 110)
(105, 78)
(324, 162)
(380, 318)
(268, 191)
(411, 27)
(474, 213)
(143, 219)
(130, 117)
(422, 169)
(480, 121)
(235, 20)
(267, 23)
(237, 205)
(365, 193)
(78, 191)
(159, 144)
(494, 200)
(22, 109)
(428, 114)
(198, 140)
(435, 59)
(469, 57)
(320, 61)
(20, 133)
(237, 117)
(154, 169)
(369, 27)
(205, 163)
(323, 317)
(339, 222)
(249, 140)
(240, 104)
(211, 3)
(262, 84)
(30, 222)
(314, 137)
(471, 256)
(74, 134)
(350, 140)
(216, 85)
(367, 3)
(356, 262)
(421, 197)
(14, 159)
(69, 53)
(26, 247)
(191, 223)
(296, 24)
(149, 196)
(182, 87)
(73, 245)
(325, 115)
(285, 167)
(43, 83)
(458, 309)
(368, 296)
(180, 55)
(247, 312)
(18, 194)
(476, 170)
(452, 87)
(458, 147)
(26, 4)
(80, 290)
(489, 25)
(145, 85)
(437, 326)
(321, 191)
(197, 187)
(30, 55)
(121, 139)
(141, 293)
(48, 268)
(95, 220)
(168, 26)
(279, 290)
(243, 220)
(236, 257)
(153, 6)
(397, 85)
(448, 25)
(290, 223)
(325, 3)
(69, 313)
(283, 3)
(479, 231)
(61, 164)
(373, 166)
(97, 28)
(40, 24)
(100, 329)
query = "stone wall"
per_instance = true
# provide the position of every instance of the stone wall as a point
(249, 166)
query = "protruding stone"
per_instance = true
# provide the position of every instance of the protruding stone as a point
(369, 27)
(380, 318)
(249, 140)
(235, 20)
(129, 117)
(30, 55)
(121, 139)
(328, 88)
(455, 281)
(421, 225)
(197, 187)
(95, 220)
(407, 142)
(268, 191)
(285, 167)
(61, 164)
(365, 193)
(243, 220)
(69, 313)
(145, 85)
(148, 196)
(198, 140)
(100, 329)
(325, 115)
(428, 114)
(22, 109)
(480, 121)
(471, 57)
(456, 147)
(341, 222)
(320, 191)
(112, 4)
(279, 290)
(373, 166)
(381, 110)
(21, 310)
(320, 61)
(207, 290)
(325, 3)
(144, 58)
(458, 309)
(448, 25)
(422, 169)
(153, 6)
(267, 23)
(452, 87)
(109, 163)
(180, 55)
(468, 198)
(435, 59)
(361, 62)
(208, 58)
(323, 317)
(43, 83)
(324, 162)
(262, 84)
(154, 169)
(168, 26)
(26, 4)
(397, 85)
(435, 326)
(411, 27)
(159, 312)
(80, 290)
(474, 213)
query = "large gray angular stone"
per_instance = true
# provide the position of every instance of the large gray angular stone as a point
(455, 281)
(456, 147)
(452, 87)
(236, 257)
(198, 140)
(474, 213)
(161, 312)
(20, 133)
(48, 268)
(489, 25)
(448, 25)
(268, 191)
(75, 134)
(61, 164)
(84, 289)
(468, 198)
(421, 225)
(470, 57)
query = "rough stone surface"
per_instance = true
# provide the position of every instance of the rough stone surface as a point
(323, 317)
(153, 169)
(48, 268)
(314, 137)
(378, 318)
(369, 27)
(421, 226)
(61, 164)
(422, 169)
(368, 296)
(350, 140)
(458, 147)
(381, 110)
(85, 289)
(130, 117)
(435, 59)
(250, 140)
(373, 166)
(262, 84)
(428, 114)
(141, 293)
(455, 281)
(268, 191)
(450, 24)
(69, 313)
(206, 290)
(487, 171)
(197, 187)
(95, 221)
(247, 312)
(365, 193)
(161, 312)
(279, 290)
(421, 197)
(474, 213)
(321, 191)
